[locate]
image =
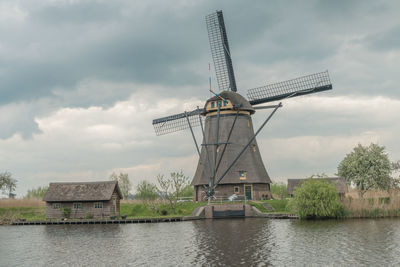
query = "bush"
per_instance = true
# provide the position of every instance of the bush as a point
(164, 212)
(89, 216)
(66, 212)
(316, 198)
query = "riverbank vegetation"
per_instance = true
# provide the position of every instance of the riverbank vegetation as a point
(16, 209)
(34, 209)
(373, 204)
(317, 199)
(277, 205)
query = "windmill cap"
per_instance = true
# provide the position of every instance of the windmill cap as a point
(236, 99)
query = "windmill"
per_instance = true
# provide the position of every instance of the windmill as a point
(229, 158)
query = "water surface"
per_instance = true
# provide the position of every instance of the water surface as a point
(251, 241)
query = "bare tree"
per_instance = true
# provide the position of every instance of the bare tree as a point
(171, 188)
(123, 182)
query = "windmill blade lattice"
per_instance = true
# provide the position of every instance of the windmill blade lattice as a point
(309, 84)
(177, 122)
(220, 51)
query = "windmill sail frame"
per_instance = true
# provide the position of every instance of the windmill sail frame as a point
(220, 51)
(304, 85)
(177, 122)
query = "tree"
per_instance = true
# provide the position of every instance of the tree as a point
(316, 198)
(7, 183)
(171, 188)
(123, 182)
(279, 190)
(146, 191)
(36, 192)
(367, 167)
(188, 191)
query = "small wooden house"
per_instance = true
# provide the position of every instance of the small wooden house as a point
(338, 182)
(82, 200)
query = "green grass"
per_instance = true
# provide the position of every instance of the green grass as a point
(144, 211)
(9, 214)
(279, 205)
(28, 213)
(132, 210)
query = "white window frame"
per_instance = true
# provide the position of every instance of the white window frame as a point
(77, 205)
(97, 206)
(56, 206)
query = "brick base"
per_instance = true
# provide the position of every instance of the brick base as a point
(259, 191)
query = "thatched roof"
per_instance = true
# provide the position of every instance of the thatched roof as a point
(338, 182)
(87, 191)
(235, 98)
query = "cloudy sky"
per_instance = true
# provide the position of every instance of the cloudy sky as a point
(81, 82)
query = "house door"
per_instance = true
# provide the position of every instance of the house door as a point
(247, 191)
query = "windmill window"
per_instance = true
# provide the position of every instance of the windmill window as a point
(225, 103)
(219, 104)
(242, 175)
(212, 104)
(236, 189)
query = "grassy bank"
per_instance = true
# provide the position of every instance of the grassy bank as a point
(279, 205)
(15, 209)
(140, 210)
(34, 210)
(9, 214)
(372, 205)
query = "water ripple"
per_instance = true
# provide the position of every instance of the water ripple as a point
(250, 242)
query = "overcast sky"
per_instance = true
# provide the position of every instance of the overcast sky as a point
(81, 82)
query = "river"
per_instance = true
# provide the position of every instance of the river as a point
(221, 242)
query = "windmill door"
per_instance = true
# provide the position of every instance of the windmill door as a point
(247, 191)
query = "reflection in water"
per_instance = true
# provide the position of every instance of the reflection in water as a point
(220, 242)
(230, 242)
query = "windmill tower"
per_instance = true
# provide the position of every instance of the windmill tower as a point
(229, 159)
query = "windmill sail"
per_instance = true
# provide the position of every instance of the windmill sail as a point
(177, 122)
(309, 84)
(220, 51)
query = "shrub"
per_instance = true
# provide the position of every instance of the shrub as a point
(164, 212)
(66, 212)
(89, 216)
(316, 198)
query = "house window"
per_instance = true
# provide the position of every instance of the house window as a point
(98, 205)
(56, 206)
(212, 104)
(236, 189)
(77, 206)
(242, 175)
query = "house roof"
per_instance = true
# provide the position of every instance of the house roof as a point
(338, 182)
(85, 191)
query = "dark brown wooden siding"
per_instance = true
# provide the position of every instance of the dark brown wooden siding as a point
(259, 191)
